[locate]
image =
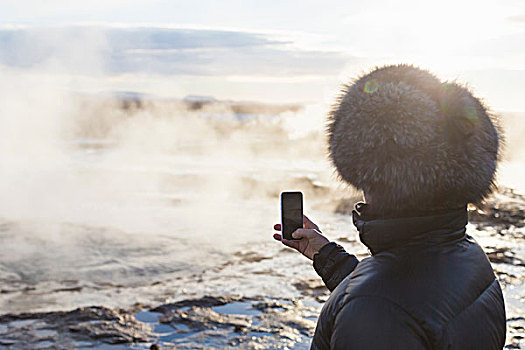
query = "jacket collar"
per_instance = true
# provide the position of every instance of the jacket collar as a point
(380, 234)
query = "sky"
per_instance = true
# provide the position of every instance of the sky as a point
(274, 51)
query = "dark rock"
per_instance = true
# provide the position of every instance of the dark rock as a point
(503, 255)
(311, 287)
(271, 304)
(92, 324)
(503, 209)
(200, 318)
(205, 301)
(239, 329)
(249, 257)
(346, 205)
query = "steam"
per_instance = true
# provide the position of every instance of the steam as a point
(148, 166)
(513, 165)
(153, 167)
(37, 177)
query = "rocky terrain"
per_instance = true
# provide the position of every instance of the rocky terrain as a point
(265, 321)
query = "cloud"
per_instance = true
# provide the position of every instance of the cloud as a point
(499, 46)
(517, 18)
(502, 88)
(169, 51)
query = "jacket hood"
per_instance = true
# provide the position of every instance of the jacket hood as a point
(380, 234)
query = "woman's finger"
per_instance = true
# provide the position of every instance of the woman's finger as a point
(303, 233)
(307, 223)
(277, 227)
(277, 236)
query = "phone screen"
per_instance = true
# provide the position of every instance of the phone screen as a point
(291, 213)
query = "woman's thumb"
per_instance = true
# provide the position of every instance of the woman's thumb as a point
(300, 233)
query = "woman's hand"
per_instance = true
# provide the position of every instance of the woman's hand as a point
(311, 238)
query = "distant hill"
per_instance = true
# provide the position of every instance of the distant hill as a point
(98, 114)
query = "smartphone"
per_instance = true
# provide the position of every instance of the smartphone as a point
(291, 213)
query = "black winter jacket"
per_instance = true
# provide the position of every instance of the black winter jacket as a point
(427, 285)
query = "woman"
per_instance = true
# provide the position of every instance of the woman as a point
(421, 150)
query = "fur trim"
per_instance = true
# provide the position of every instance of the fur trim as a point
(412, 141)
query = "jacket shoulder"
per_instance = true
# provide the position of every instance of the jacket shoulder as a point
(486, 316)
(445, 289)
(368, 322)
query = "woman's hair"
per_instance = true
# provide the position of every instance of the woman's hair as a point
(413, 142)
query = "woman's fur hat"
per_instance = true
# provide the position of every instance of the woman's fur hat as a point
(412, 142)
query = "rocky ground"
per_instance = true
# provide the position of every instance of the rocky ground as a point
(257, 322)
(207, 322)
